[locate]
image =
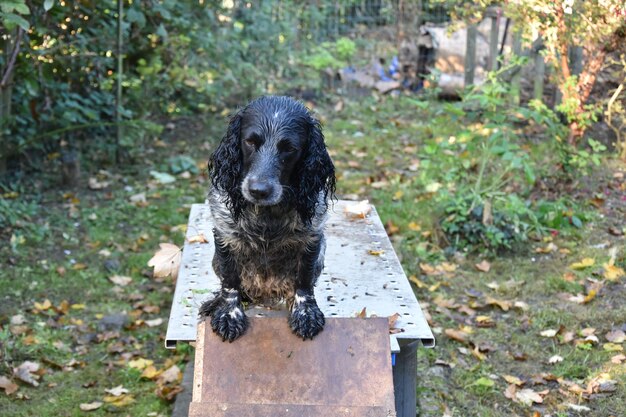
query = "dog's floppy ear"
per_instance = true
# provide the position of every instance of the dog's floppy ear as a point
(316, 174)
(225, 166)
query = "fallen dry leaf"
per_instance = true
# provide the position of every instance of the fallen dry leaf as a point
(555, 359)
(166, 261)
(150, 372)
(26, 372)
(513, 380)
(171, 375)
(17, 320)
(612, 347)
(504, 305)
(117, 391)
(391, 228)
(168, 392)
(612, 272)
(549, 333)
(91, 406)
(527, 396)
(458, 335)
(521, 305)
(376, 252)
(120, 280)
(140, 363)
(121, 401)
(616, 336)
(483, 266)
(485, 321)
(362, 314)
(43, 306)
(154, 322)
(414, 227)
(198, 239)
(358, 210)
(577, 407)
(392, 321)
(578, 298)
(590, 296)
(548, 249)
(7, 385)
(94, 184)
(585, 263)
(418, 282)
(510, 392)
(139, 199)
(617, 359)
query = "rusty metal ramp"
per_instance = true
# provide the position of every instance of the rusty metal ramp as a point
(270, 372)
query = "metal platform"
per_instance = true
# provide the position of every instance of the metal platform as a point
(362, 271)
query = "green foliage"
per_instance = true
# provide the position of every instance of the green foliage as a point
(12, 14)
(181, 163)
(16, 213)
(489, 211)
(333, 55)
(580, 160)
(596, 26)
(470, 227)
(17, 222)
(180, 58)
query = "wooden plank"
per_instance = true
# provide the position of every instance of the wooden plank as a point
(516, 81)
(540, 71)
(273, 372)
(470, 55)
(284, 410)
(493, 43)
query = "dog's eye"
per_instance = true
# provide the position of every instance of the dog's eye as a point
(286, 147)
(252, 141)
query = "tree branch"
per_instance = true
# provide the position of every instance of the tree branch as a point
(11, 65)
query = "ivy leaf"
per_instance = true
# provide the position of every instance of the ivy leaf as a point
(10, 6)
(47, 5)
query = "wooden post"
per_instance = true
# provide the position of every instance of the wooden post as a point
(493, 40)
(10, 45)
(120, 69)
(540, 71)
(517, 77)
(470, 55)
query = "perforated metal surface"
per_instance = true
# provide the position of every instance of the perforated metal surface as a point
(353, 277)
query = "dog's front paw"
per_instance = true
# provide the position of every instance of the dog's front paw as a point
(306, 319)
(227, 316)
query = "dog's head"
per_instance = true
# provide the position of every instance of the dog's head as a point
(273, 153)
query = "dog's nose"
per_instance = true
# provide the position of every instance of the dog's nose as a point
(259, 189)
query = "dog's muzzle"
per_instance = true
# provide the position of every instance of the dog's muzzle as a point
(260, 191)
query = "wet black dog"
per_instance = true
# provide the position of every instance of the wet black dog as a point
(272, 178)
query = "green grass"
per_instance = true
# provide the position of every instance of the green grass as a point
(399, 156)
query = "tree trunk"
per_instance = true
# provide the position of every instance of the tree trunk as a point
(10, 48)
(594, 60)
